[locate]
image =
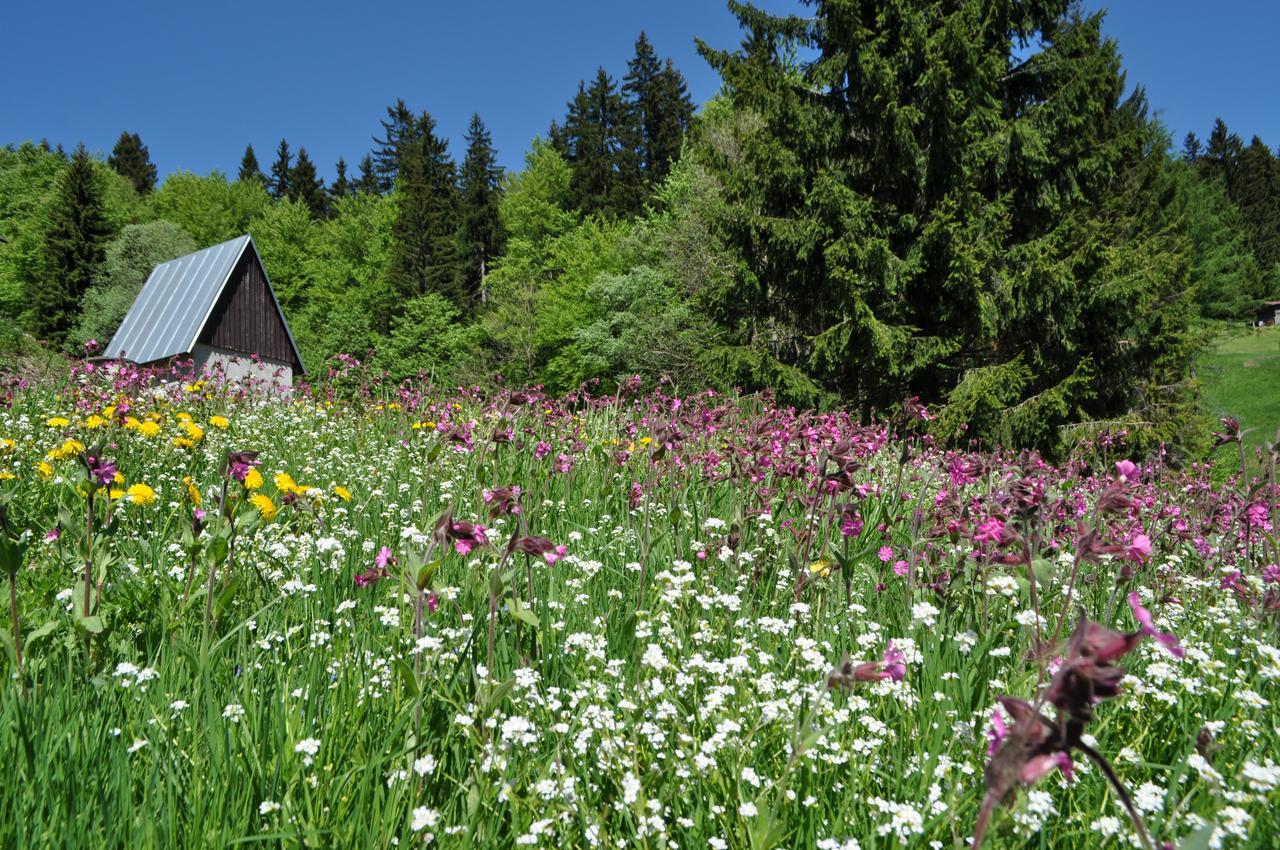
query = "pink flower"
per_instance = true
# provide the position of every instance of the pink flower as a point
(1257, 516)
(990, 530)
(1143, 616)
(1140, 547)
(900, 568)
(433, 603)
(541, 450)
(384, 557)
(1271, 574)
(1127, 470)
(997, 733)
(886, 554)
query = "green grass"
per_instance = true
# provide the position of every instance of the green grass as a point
(1240, 377)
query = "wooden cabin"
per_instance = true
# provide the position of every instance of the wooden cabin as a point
(217, 308)
(1268, 313)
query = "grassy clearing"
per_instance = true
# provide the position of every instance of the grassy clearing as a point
(1240, 377)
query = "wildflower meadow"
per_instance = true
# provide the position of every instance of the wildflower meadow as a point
(394, 616)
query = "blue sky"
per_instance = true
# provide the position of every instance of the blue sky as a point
(199, 81)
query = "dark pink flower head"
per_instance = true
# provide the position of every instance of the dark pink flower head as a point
(1139, 547)
(1271, 574)
(1257, 516)
(542, 449)
(101, 470)
(885, 554)
(540, 547)
(53, 534)
(1143, 616)
(901, 568)
(467, 536)
(1127, 470)
(990, 530)
(891, 666)
(503, 500)
(894, 663)
(239, 464)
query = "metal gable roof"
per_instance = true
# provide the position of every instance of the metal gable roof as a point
(176, 302)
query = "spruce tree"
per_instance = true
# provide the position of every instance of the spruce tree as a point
(1221, 157)
(424, 255)
(1191, 148)
(131, 158)
(661, 107)
(74, 245)
(305, 186)
(250, 172)
(918, 208)
(596, 142)
(399, 129)
(367, 182)
(480, 236)
(341, 187)
(1256, 191)
(281, 171)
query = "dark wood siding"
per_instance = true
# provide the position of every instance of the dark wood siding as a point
(246, 320)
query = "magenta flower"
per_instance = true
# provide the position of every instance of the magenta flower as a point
(1257, 516)
(885, 554)
(1139, 547)
(900, 568)
(540, 547)
(384, 557)
(1271, 574)
(891, 666)
(990, 530)
(1143, 616)
(1127, 470)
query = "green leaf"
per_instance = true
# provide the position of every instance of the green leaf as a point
(92, 624)
(523, 614)
(1198, 840)
(406, 676)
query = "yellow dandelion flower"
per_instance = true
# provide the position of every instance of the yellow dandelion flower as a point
(252, 479)
(342, 493)
(115, 493)
(58, 422)
(285, 483)
(118, 478)
(183, 417)
(6, 445)
(820, 568)
(219, 422)
(183, 442)
(46, 470)
(264, 506)
(6, 475)
(149, 429)
(193, 492)
(69, 448)
(95, 421)
(109, 411)
(141, 494)
(194, 431)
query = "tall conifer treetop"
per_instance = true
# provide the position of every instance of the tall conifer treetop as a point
(131, 159)
(919, 205)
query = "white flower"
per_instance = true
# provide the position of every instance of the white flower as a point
(266, 807)
(233, 712)
(925, 614)
(137, 745)
(424, 818)
(308, 747)
(747, 810)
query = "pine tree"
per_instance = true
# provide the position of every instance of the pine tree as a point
(341, 186)
(250, 172)
(424, 256)
(1221, 157)
(305, 186)
(662, 110)
(399, 130)
(480, 236)
(1191, 148)
(281, 171)
(367, 182)
(891, 248)
(596, 142)
(1222, 271)
(131, 158)
(1256, 191)
(75, 244)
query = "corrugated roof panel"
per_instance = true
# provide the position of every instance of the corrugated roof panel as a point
(174, 304)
